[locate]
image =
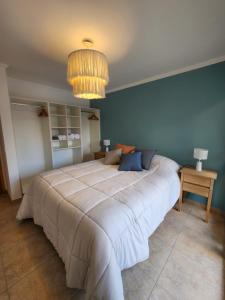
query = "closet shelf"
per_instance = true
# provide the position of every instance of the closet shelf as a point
(59, 141)
(72, 127)
(59, 148)
(75, 147)
(58, 127)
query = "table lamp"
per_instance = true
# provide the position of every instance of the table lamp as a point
(106, 143)
(200, 154)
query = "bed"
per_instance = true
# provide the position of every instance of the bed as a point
(99, 219)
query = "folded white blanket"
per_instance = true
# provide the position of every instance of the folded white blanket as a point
(99, 219)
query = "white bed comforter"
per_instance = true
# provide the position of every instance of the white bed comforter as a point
(99, 219)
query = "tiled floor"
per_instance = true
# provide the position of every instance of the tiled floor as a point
(186, 262)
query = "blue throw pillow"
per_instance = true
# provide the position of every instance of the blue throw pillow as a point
(130, 162)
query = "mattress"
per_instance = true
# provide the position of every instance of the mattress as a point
(99, 219)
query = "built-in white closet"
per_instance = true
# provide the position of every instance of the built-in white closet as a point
(62, 135)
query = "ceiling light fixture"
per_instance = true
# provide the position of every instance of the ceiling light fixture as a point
(88, 72)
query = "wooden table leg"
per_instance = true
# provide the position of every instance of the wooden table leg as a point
(208, 208)
(180, 201)
(209, 202)
(181, 194)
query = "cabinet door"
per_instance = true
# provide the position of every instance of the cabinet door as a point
(2, 182)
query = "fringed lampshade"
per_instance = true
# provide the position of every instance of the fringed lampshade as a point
(88, 73)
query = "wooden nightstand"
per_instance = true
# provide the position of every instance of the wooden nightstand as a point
(200, 183)
(100, 154)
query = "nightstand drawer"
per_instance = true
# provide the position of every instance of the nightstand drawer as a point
(99, 154)
(203, 181)
(196, 189)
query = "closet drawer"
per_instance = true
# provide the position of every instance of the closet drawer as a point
(196, 189)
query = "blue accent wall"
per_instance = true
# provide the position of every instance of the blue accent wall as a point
(173, 115)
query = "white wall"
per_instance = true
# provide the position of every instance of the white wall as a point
(33, 90)
(13, 183)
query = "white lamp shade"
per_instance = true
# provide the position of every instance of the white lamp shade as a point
(106, 143)
(201, 154)
(88, 73)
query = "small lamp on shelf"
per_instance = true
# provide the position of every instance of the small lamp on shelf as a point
(106, 143)
(200, 154)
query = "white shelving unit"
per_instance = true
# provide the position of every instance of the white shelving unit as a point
(65, 129)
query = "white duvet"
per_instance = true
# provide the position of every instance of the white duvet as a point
(99, 219)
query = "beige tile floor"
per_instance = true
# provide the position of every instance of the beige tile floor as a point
(186, 262)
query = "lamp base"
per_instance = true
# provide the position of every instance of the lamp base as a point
(199, 166)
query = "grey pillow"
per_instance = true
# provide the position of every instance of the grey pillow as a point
(146, 157)
(112, 157)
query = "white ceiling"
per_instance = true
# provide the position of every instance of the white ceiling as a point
(141, 38)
